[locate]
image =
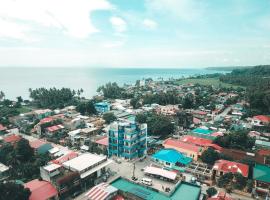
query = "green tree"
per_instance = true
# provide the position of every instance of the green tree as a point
(13, 191)
(188, 101)
(109, 117)
(24, 151)
(141, 118)
(210, 156)
(86, 108)
(211, 191)
(135, 103)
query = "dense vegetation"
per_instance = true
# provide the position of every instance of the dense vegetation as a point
(231, 181)
(54, 98)
(8, 108)
(13, 191)
(109, 117)
(24, 164)
(158, 125)
(236, 140)
(163, 98)
(113, 91)
(86, 108)
(257, 81)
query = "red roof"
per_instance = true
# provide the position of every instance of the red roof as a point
(46, 120)
(229, 166)
(262, 118)
(65, 158)
(118, 197)
(54, 128)
(264, 152)
(12, 138)
(221, 196)
(179, 144)
(41, 190)
(2, 128)
(196, 140)
(103, 141)
(37, 143)
(196, 120)
(199, 112)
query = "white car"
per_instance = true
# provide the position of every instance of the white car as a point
(147, 181)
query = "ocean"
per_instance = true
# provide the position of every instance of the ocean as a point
(16, 82)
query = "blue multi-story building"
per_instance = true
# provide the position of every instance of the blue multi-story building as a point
(102, 107)
(127, 140)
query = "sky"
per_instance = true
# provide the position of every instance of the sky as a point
(134, 33)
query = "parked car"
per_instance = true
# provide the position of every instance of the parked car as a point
(147, 181)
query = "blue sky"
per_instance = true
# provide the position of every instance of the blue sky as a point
(134, 33)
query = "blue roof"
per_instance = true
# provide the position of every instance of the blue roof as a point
(102, 104)
(202, 131)
(172, 156)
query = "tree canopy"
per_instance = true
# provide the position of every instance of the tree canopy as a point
(109, 117)
(13, 191)
(236, 140)
(158, 124)
(53, 98)
(86, 108)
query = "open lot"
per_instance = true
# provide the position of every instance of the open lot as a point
(206, 81)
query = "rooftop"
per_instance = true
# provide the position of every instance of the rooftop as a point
(84, 161)
(12, 138)
(202, 131)
(233, 167)
(51, 167)
(196, 140)
(41, 190)
(37, 143)
(101, 191)
(261, 173)
(182, 145)
(172, 156)
(103, 141)
(54, 128)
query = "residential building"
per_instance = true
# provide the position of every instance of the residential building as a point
(40, 146)
(262, 144)
(102, 107)
(187, 149)
(54, 130)
(89, 166)
(41, 190)
(127, 140)
(40, 114)
(224, 166)
(171, 158)
(103, 142)
(261, 177)
(12, 139)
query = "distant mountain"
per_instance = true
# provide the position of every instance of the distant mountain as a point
(228, 68)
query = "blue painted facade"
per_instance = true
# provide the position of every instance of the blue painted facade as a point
(102, 107)
(127, 140)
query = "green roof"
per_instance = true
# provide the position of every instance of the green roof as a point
(261, 173)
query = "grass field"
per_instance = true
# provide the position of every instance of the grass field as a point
(24, 109)
(207, 81)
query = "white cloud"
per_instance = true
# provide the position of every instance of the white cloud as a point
(118, 24)
(113, 44)
(151, 24)
(186, 10)
(13, 30)
(70, 16)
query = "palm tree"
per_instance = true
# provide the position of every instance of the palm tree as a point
(2, 95)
